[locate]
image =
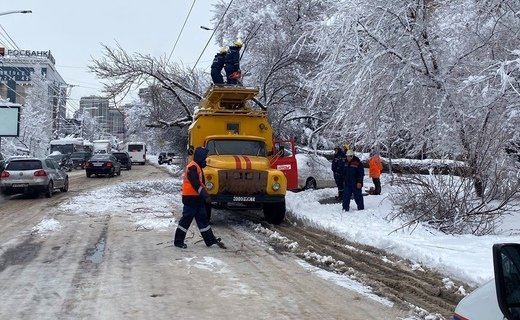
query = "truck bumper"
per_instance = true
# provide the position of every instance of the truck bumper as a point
(247, 198)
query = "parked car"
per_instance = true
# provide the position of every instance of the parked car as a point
(499, 298)
(124, 159)
(105, 164)
(79, 158)
(33, 175)
(314, 171)
(166, 157)
(63, 161)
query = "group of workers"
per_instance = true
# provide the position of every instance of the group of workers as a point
(349, 172)
(229, 60)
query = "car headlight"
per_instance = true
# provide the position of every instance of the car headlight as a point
(276, 186)
(209, 185)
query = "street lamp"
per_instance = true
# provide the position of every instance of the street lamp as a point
(15, 11)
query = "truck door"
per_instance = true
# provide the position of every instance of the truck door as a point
(284, 159)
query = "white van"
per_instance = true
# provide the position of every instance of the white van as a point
(497, 299)
(137, 152)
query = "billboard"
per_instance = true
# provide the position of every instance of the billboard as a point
(9, 120)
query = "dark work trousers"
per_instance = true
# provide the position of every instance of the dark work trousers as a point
(347, 194)
(377, 185)
(199, 213)
(216, 76)
(338, 178)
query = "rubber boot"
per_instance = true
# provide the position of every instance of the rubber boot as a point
(210, 239)
(178, 240)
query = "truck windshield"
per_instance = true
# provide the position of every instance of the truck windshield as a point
(237, 147)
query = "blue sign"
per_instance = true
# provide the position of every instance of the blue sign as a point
(15, 73)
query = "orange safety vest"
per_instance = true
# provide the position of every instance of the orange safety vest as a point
(374, 167)
(187, 188)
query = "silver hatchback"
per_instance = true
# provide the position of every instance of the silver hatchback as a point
(33, 175)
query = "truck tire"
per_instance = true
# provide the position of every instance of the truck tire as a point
(274, 213)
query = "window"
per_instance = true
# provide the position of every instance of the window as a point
(135, 147)
(237, 147)
(24, 165)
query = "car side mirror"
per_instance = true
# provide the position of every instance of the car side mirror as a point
(506, 264)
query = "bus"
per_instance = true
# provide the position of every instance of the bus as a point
(137, 152)
(66, 145)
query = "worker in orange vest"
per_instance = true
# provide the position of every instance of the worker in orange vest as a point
(374, 171)
(194, 198)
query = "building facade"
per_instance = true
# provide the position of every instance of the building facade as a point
(99, 119)
(18, 72)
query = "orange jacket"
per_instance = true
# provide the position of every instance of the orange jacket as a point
(374, 167)
(187, 187)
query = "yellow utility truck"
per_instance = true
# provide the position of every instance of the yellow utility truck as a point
(240, 142)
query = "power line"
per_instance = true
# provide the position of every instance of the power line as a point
(12, 41)
(182, 29)
(213, 33)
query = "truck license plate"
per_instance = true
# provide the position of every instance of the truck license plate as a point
(243, 199)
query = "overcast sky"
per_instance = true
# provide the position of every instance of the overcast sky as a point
(74, 30)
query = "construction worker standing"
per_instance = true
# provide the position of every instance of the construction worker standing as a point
(338, 163)
(353, 174)
(194, 198)
(374, 170)
(232, 63)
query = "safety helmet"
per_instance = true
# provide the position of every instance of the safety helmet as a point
(350, 153)
(237, 43)
(223, 50)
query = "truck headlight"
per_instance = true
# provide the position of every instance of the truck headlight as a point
(209, 185)
(276, 186)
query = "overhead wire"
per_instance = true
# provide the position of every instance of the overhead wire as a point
(11, 39)
(212, 34)
(182, 29)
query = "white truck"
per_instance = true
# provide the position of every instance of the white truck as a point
(101, 146)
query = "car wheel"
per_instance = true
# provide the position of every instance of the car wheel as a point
(65, 186)
(50, 189)
(129, 167)
(111, 174)
(88, 175)
(310, 184)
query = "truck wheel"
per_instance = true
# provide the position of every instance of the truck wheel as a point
(208, 211)
(274, 213)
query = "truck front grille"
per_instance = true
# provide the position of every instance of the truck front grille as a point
(244, 182)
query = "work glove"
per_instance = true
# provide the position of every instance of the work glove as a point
(359, 185)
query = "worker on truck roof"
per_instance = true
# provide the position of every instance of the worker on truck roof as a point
(232, 63)
(218, 65)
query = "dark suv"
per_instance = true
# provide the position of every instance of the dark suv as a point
(79, 159)
(124, 159)
(166, 157)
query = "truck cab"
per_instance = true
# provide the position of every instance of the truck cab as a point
(240, 143)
